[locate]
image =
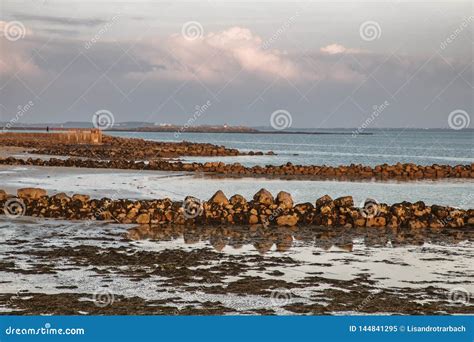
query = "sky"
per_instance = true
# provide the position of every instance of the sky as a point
(324, 64)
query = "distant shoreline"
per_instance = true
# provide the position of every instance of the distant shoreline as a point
(236, 132)
(200, 131)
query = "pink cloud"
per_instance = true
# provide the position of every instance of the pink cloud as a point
(334, 49)
(219, 57)
(14, 56)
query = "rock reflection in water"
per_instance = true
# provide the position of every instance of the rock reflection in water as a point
(264, 238)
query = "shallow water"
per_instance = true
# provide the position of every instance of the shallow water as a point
(177, 185)
(390, 146)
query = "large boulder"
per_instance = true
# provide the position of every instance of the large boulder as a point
(31, 193)
(219, 198)
(79, 197)
(264, 197)
(287, 220)
(143, 218)
(345, 201)
(284, 200)
(237, 199)
(325, 200)
(61, 197)
(253, 219)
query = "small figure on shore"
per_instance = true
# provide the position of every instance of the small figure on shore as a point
(47, 128)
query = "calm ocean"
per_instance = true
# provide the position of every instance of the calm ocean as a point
(424, 147)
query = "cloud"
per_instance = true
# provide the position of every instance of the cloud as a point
(218, 57)
(54, 20)
(15, 56)
(335, 49)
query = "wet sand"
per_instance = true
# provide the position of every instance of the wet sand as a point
(58, 267)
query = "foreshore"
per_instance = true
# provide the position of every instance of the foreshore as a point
(262, 209)
(399, 171)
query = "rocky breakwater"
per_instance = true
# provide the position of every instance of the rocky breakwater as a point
(122, 148)
(264, 209)
(350, 172)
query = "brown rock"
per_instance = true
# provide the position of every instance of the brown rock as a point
(31, 193)
(237, 199)
(79, 197)
(253, 219)
(287, 220)
(326, 199)
(3, 195)
(415, 224)
(219, 198)
(62, 197)
(345, 201)
(263, 197)
(380, 221)
(284, 199)
(143, 218)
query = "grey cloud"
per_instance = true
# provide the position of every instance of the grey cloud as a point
(66, 21)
